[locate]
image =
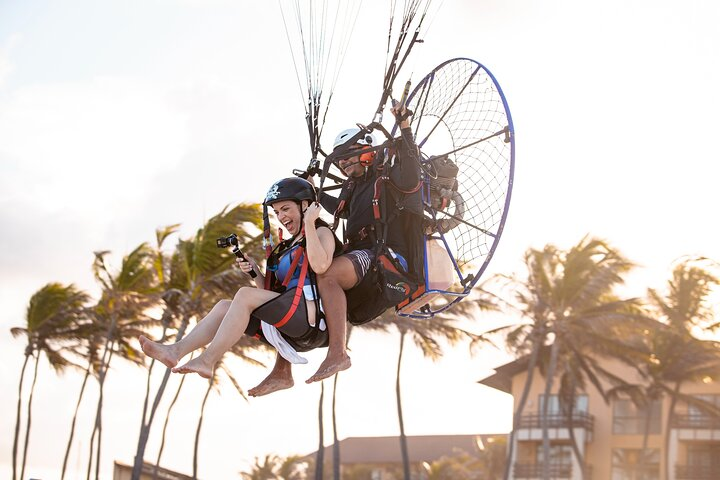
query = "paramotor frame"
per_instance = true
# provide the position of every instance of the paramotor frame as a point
(464, 130)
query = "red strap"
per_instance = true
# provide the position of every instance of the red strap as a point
(376, 197)
(298, 292)
(298, 253)
(336, 215)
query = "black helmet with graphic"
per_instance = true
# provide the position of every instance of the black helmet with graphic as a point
(292, 188)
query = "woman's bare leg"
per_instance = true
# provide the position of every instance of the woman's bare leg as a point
(198, 337)
(231, 328)
(280, 378)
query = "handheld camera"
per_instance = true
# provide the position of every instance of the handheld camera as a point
(232, 241)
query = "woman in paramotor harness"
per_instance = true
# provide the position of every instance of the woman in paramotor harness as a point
(286, 315)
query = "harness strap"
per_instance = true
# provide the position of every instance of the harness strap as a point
(361, 235)
(298, 290)
(345, 194)
(336, 215)
(298, 253)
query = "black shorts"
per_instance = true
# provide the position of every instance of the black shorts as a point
(361, 260)
(297, 330)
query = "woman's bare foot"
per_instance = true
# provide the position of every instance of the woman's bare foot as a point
(272, 383)
(162, 353)
(196, 365)
(329, 367)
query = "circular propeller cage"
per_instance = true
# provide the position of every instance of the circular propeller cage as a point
(463, 127)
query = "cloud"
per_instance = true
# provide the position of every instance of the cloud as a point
(7, 67)
(100, 164)
(76, 161)
(84, 144)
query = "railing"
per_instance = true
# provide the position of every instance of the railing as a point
(704, 422)
(556, 470)
(558, 420)
(697, 472)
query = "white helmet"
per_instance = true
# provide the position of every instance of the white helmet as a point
(345, 135)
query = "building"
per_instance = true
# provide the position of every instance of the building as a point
(124, 472)
(610, 435)
(380, 457)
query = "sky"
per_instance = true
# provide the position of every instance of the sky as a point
(119, 117)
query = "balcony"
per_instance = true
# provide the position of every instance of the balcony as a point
(696, 472)
(696, 428)
(557, 470)
(702, 422)
(557, 420)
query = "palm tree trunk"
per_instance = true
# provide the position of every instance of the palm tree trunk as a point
(320, 459)
(18, 415)
(336, 443)
(29, 418)
(74, 420)
(146, 401)
(104, 364)
(403, 439)
(199, 426)
(92, 453)
(544, 416)
(99, 415)
(569, 412)
(670, 417)
(165, 425)
(532, 364)
(646, 430)
(97, 427)
(145, 429)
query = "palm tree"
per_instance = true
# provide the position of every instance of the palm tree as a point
(428, 334)
(161, 267)
(52, 315)
(211, 384)
(174, 400)
(686, 304)
(274, 467)
(91, 337)
(684, 307)
(320, 459)
(672, 358)
(121, 310)
(199, 275)
(574, 318)
(336, 440)
(455, 467)
(292, 468)
(485, 462)
(240, 350)
(264, 470)
(491, 458)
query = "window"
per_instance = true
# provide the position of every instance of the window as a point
(629, 419)
(559, 455)
(704, 455)
(581, 404)
(694, 411)
(632, 464)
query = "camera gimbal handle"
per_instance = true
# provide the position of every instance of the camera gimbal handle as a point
(224, 242)
(240, 255)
